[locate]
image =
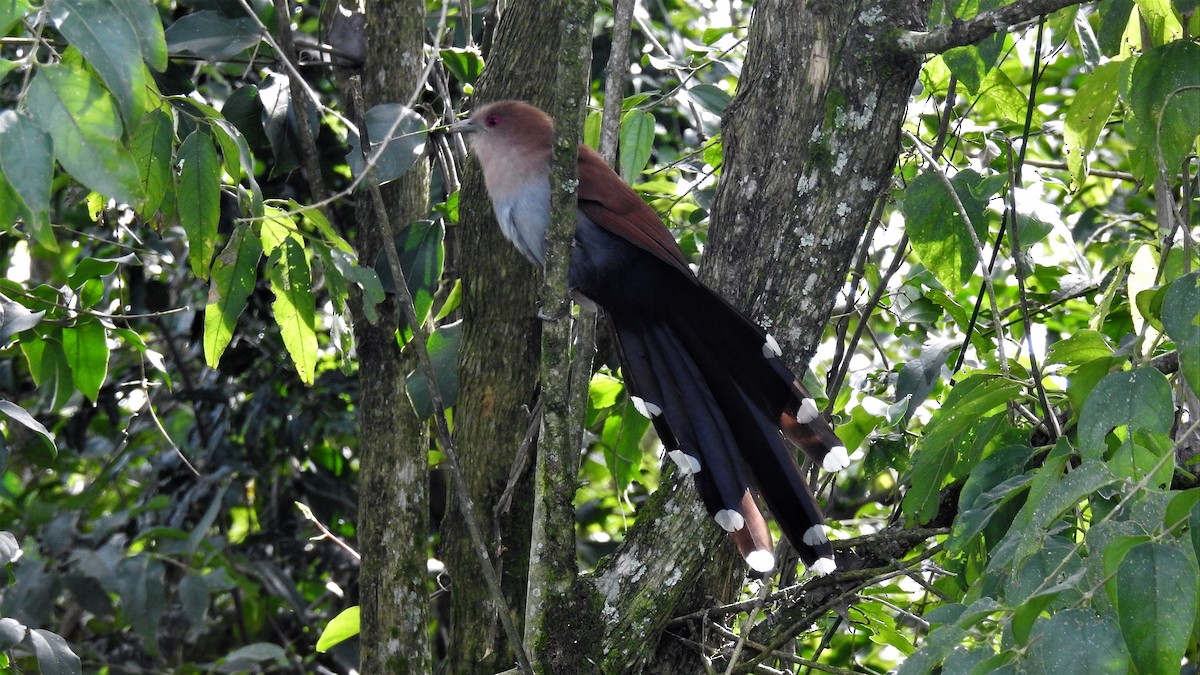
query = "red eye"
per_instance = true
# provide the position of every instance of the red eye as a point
(492, 120)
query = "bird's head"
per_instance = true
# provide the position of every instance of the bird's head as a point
(508, 132)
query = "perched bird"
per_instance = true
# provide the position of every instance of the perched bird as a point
(708, 378)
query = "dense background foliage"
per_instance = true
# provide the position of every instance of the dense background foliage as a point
(1014, 358)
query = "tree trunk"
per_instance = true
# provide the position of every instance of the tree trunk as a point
(498, 362)
(393, 511)
(810, 142)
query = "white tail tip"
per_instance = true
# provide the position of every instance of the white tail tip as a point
(823, 566)
(687, 464)
(836, 459)
(761, 560)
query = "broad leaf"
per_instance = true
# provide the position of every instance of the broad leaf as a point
(54, 655)
(421, 255)
(21, 416)
(397, 134)
(109, 42)
(234, 274)
(1089, 112)
(935, 456)
(151, 148)
(209, 34)
(86, 347)
(198, 196)
(1156, 596)
(1166, 115)
(79, 114)
(27, 162)
(1076, 641)
(938, 231)
(295, 306)
(443, 352)
(1139, 399)
(341, 627)
(636, 143)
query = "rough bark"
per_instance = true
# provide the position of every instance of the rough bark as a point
(498, 361)
(810, 141)
(558, 610)
(393, 512)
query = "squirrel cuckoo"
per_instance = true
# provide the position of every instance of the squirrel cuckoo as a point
(708, 378)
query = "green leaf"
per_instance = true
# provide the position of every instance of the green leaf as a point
(48, 367)
(1031, 527)
(711, 98)
(972, 63)
(151, 148)
(95, 268)
(198, 197)
(73, 107)
(1181, 320)
(997, 480)
(12, 11)
(211, 35)
(341, 627)
(109, 42)
(1139, 399)
(397, 134)
(935, 454)
(1156, 596)
(54, 655)
(248, 658)
(295, 307)
(465, 64)
(86, 347)
(938, 231)
(1088, 113)
(1082, 347)
(1076, 641)
(21, 416)
(443, 352)
(275, 228)
(1166, 117)
(1009, 101)
(234, 274)
(27, 162)
(635, 143)
(621, 441)
(421, 254)
(591, 129)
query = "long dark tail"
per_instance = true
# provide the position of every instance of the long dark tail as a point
(722, 403)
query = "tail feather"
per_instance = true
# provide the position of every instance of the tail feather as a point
(675, 394)
(723, 404)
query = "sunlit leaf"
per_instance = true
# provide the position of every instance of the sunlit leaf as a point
(1088, 113)
(109, 42)
(234, 274)
(341, 627)
(79, 114)
(1139, 399)
(295, 306)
